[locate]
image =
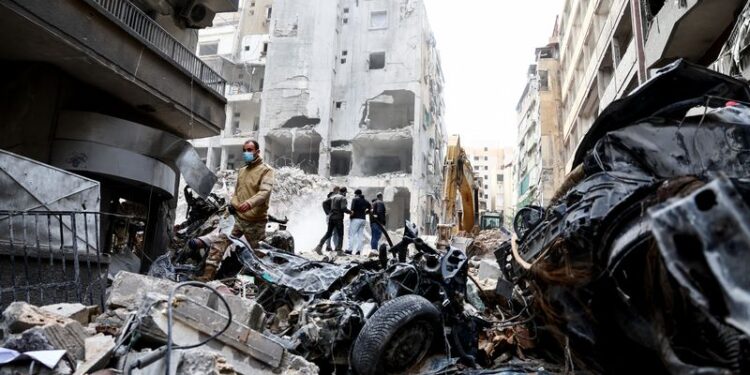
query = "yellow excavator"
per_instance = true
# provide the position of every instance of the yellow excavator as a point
(458, 181)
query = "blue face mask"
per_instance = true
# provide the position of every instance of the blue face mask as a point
(248, 156)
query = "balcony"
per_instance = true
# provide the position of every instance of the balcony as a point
(141, 26)
(689, 31)
(114, 47)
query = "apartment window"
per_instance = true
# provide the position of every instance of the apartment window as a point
(476, 167)
(486, 177)
(252, 4)
(346, 10)
(500, 178)
(343, 60)
(378, 20)
(236, 114)
(486, 196)
(344, 53)
(485, 158)
(486, 168)
(543, 80)
(486, 149)
(338, 105)
(476, 158)
(252, 12)
(247, 48)
(211, 48)
(377, 60)
(486, 187)
(346, 21)
(265, 48)
(268, 13)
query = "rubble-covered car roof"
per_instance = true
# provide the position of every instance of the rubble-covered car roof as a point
(644, 255)
(673, 88)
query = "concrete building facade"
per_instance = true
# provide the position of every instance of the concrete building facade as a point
(492, 174)
(539, 167)
(350, 90)
(609, 47)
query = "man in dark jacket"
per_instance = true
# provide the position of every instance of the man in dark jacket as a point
(327, 209)
(360, 207)
(335, 220)
(377, 217)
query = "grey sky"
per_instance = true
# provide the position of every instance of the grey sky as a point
(486, 47)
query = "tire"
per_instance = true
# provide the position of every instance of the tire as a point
(397, 336)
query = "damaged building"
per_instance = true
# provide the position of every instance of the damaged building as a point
(99, 97)
(539, 165)
(350, 90)
(608, 48)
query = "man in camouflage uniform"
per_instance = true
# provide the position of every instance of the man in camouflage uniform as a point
(250, 201)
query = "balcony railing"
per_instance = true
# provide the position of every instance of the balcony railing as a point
(141, 26)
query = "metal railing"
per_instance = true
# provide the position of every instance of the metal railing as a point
(140, 25)
(51, 257)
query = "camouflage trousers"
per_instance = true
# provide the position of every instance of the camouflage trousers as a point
(219, 242)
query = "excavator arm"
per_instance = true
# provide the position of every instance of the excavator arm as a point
(458, 180)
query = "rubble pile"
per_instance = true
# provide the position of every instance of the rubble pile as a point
(486, 241)
(132, 333)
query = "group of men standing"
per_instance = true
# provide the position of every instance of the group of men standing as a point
(335, 207)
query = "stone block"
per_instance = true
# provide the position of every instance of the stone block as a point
(129, 290)
(20, 316)
(489, 269)
(75, 311)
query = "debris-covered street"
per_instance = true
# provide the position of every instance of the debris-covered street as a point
(275, 187)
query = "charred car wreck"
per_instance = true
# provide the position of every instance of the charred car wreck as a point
(640, 262)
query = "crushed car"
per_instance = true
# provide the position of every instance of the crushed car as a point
(640, 262)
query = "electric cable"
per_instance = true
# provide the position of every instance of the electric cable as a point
(170, 321)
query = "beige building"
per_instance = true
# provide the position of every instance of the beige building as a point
(539, 167)
(492, 174)
(609, 47)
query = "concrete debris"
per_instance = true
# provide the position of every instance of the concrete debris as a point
(489, 269)
(136, 319)
(20, 316)
(75, 311)
(98, 351)
(196, 361)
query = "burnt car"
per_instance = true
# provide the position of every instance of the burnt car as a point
(373, 317)
(640, 263)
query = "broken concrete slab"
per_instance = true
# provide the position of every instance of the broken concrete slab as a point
(76, 311)
(20, 316)
(489, 269)
(193, 319)
(198, 361)
(98, 351)
(130, 289)
(70, 336)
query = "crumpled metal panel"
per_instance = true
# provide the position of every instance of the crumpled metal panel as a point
(292, 271)
(673, 84)
(715, 222)
(141, 139)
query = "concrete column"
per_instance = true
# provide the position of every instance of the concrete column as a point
(224, 158)
(324, 161)
(210, 157)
